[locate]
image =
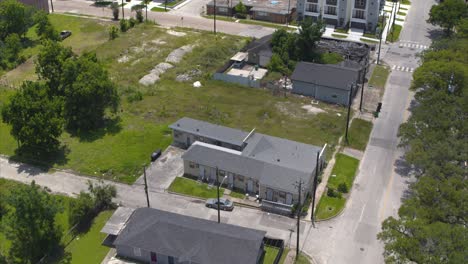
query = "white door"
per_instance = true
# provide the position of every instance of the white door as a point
(288, 198)
(230, 179)
(202, 172)
(269, 195)
(249, 186)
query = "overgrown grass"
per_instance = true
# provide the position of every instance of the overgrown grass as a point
(379, 77)
(331, 58)
(345, 170)
(119, 150)
(359, 133)
(236, 194)
(194, 188)
(394, 34)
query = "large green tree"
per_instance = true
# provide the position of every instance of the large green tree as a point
(309, 34)
(30, 224)
(431, 223)
(44, 28)
(448, 14)
(13, 18)
(89, 93)
(35, 118)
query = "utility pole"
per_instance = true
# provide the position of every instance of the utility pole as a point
(123, 14)
(349, 110)
(214, 18)
(299, 211)
(289, 16)
(52, 5)
(146, 186)
(315, 186)
(217, 186)
(165, 5)
(362, 86)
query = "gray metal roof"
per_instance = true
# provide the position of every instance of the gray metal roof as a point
(274, 162)
(330, 75)
(190, 239)
(117, 221)
(205, 129)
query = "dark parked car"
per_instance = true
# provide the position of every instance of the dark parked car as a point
(65, 34)
(224, 204)
(155, 155)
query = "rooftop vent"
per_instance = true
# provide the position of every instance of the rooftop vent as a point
(198, 129)
(278, 160)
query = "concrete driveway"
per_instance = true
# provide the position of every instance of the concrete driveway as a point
(191, 8)
(163, 171)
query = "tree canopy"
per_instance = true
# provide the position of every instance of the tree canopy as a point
(431, 223)
(35, 118)
(448, 14)
(30, 224)
(15, 17)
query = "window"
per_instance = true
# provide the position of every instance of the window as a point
(137, 252)
(330, 10)
(312, 1)
(177, 134)
(359, 14)
(334, 96)
(312, 8)
(193, 165)
(360, 4)
(331, 2)
(282, 195)
(170, 260)
(222, 9)
(240, 178)
(259, 13)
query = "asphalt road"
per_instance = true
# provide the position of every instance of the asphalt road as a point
(376, 194)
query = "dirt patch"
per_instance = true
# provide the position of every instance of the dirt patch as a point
(312, 109)
(123, 59)
(188, 76)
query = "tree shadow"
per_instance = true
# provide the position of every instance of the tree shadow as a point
(40, 159)
(435, 34)
(109, 126)
(29, 43)
(403, 168)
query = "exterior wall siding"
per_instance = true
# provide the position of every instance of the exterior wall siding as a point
(322, 93)
(128, 252)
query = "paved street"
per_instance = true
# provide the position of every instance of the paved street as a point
(378, 188)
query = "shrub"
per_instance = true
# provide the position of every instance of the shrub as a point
(124, 25)
(102, 195)
(331, 192)
(135, 96)
(343, 188)
(81, 209)
(132, 22)
(113, 32)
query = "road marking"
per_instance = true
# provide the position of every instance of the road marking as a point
(393, 67)
(362, 213)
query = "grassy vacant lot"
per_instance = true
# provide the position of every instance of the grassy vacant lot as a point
(85, 249)
(359, 134)
(379, 77)
(194, 188)
(345, 171)
(394, 34)
(119, 150)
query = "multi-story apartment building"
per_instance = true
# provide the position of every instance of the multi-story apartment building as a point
(362, 14)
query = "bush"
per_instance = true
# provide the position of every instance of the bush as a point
(124, 25)
(135, 96)
(113, 32)
(343, 188)
(132, 22)
(102, 195)
(81, 209)
(333, 193)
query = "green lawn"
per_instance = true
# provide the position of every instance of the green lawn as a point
(302, 260)
(118, 151)
(87, 248)
(270, 254)
(159, 9)
(345, 171)
(339, 36)
(401, 13)
(249, 21)
(237, 195)
(194, 188)
(341, 30)
(283, 256)
(369, 41)
(359, 134)
(379, 77)
(406, 2)
(329, 206)
(394, 34)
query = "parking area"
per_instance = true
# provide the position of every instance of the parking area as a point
(164, 170)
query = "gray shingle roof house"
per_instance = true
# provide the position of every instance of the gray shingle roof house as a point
(327, 82)
(264, 165)
(155, 236)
